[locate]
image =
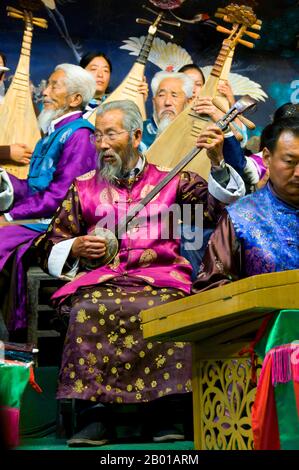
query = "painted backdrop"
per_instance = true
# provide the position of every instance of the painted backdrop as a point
(105, 24)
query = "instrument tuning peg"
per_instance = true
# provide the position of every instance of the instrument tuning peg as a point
(13, 10)
(221, 29)
(252, 35)
(246, 43)
(168, 35)
(150, 9)
(172, 23)
(143, 21)
(256, 26)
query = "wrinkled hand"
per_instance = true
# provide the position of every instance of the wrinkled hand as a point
(20, 153)
(212, 139)
(143, 89)
(204, 105)
(88, 246)
(225, 89)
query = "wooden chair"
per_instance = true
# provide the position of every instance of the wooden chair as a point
(38, 283)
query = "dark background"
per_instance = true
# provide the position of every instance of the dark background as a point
(104, 24)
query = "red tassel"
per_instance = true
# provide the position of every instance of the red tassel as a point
(32, 381)
(250, 349)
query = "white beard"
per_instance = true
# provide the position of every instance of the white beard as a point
(163, 124)
(110, 172)
(46, 116)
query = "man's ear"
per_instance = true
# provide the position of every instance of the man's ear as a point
(266, 157)
(137, 137)
(75, 100)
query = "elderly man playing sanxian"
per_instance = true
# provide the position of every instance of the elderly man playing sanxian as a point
(105, 358)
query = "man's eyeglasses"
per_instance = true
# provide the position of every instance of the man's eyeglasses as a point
(97, 137)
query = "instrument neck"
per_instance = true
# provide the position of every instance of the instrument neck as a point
(122, 226)
(220, 61)
(145, 49)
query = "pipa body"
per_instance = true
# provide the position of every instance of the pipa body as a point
(18, 122)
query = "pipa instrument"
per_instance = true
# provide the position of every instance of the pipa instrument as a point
(128, 89)
(181, 135)
(18, 122)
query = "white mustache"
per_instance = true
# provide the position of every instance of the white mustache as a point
(108, 153)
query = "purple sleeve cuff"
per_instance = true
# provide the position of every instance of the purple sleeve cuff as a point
(78, 157)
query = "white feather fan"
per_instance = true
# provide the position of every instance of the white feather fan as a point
(241, 85)
(167, 56)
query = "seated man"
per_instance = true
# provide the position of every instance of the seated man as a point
(64, 153)
(105, 358)
(259, 234)
(172, 92)
(255, 173)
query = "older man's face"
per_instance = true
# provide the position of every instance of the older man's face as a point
(170, 99)
(117, 149)
(55, 94)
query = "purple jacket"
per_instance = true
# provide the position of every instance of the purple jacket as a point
(77, 158)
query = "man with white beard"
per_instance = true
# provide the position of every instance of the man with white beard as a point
(105, 358)
(171, 94)
(64, 153)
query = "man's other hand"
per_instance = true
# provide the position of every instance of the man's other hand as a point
(212, 139)
(20, 153)
(88, 246)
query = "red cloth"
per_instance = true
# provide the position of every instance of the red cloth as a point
(9, 421)
(263, 413)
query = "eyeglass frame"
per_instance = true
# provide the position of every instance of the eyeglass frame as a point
(94, 138)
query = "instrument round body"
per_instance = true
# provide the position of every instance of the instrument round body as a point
(112, 247)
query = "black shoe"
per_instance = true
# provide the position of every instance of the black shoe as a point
(170, 434)
(95, 434)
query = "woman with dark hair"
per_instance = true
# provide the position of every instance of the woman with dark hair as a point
(196, 74)
(100, 67)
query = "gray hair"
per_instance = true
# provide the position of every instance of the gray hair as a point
(187, 82)
(132, 117)
(78, 80)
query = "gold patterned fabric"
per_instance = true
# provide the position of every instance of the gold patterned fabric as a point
(105, 356)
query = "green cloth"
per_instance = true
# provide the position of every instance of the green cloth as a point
(283, 329)
(13, 381)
